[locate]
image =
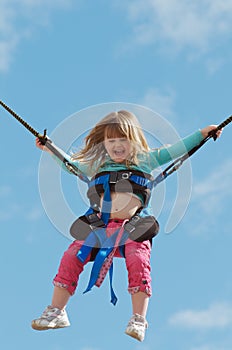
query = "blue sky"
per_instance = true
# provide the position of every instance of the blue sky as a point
(60, 60)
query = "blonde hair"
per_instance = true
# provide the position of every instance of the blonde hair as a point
(116, 124)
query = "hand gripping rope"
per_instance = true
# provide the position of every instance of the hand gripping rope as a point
(48, 143)
(71, 167)
(179, 161)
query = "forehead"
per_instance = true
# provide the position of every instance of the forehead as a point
(115, 130)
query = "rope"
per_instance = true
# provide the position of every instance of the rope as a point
(163, 175)
(46, 141)
(178, 162)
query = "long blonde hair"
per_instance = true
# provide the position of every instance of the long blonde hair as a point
(116, 124)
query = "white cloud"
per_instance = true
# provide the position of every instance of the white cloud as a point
(214, 64)
(162, 103)
(211, 198)
(10, 211)
(218, 315)
(215, 189)
(199, 25)
(18, 20)
(13, 210)
(34, 214)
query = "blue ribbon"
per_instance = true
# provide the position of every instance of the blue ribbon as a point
(103, 253)
(86, 248)
(114, 299)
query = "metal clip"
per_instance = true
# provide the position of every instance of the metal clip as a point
(125, 176)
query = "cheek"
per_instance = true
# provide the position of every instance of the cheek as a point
(129, 148)
(106, 146)
(108, 149)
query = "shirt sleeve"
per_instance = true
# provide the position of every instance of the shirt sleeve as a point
(82, 167)
(168, 153)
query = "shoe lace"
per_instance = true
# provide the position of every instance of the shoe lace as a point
(138, 320)
(51, 312)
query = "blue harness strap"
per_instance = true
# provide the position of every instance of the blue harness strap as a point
(90, 242)
(107, 244)
(103, 253)
(139, 180)
(114, 298)
(106, 206)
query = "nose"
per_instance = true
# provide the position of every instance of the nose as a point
(118, 143)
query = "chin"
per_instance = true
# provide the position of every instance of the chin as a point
(119, 160)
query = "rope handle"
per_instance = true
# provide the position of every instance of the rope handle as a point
(179, 161)
(219, 127)
(169, 170)
(46, 141)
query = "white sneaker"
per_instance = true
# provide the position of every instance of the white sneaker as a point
(136, 327)
(51, 318)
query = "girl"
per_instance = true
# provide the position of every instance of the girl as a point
(116, 153)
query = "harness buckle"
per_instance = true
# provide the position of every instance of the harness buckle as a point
(92, 218)
(116, 176)
(130, 226)
(125, 176)
(135, 218)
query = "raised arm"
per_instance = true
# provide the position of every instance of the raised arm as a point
(205, 131)
(166, 154)
(63, 159)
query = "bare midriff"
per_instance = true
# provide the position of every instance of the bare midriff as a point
(124, 205)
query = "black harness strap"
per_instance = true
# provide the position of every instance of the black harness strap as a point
(131, 181)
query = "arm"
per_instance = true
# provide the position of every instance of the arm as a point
(164, 155)
(63, 159)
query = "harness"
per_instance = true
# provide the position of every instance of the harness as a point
(95, 225)
(91, 227)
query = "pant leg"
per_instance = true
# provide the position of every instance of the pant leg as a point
(137, 255)
(70, 268)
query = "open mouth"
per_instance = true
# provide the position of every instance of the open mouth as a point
(119, 153)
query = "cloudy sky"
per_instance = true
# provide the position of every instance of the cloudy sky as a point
(63, 64)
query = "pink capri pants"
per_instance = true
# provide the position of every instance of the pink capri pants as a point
(137, 257)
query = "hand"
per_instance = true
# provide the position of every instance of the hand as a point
(39, 144)
(205, 131)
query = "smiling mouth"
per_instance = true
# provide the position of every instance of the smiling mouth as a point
(119, 153)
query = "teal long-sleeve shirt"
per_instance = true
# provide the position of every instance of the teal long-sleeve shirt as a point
(147, 162)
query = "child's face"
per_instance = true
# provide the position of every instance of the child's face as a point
(118, 148)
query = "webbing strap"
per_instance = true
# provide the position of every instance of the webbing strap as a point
(142, 181)
(114, 299)
(139, 180)
(106, 206)
(86, 248)
(103, 253)
(107, 245)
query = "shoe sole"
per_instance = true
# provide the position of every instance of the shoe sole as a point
(134, 335)
(45, 328)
